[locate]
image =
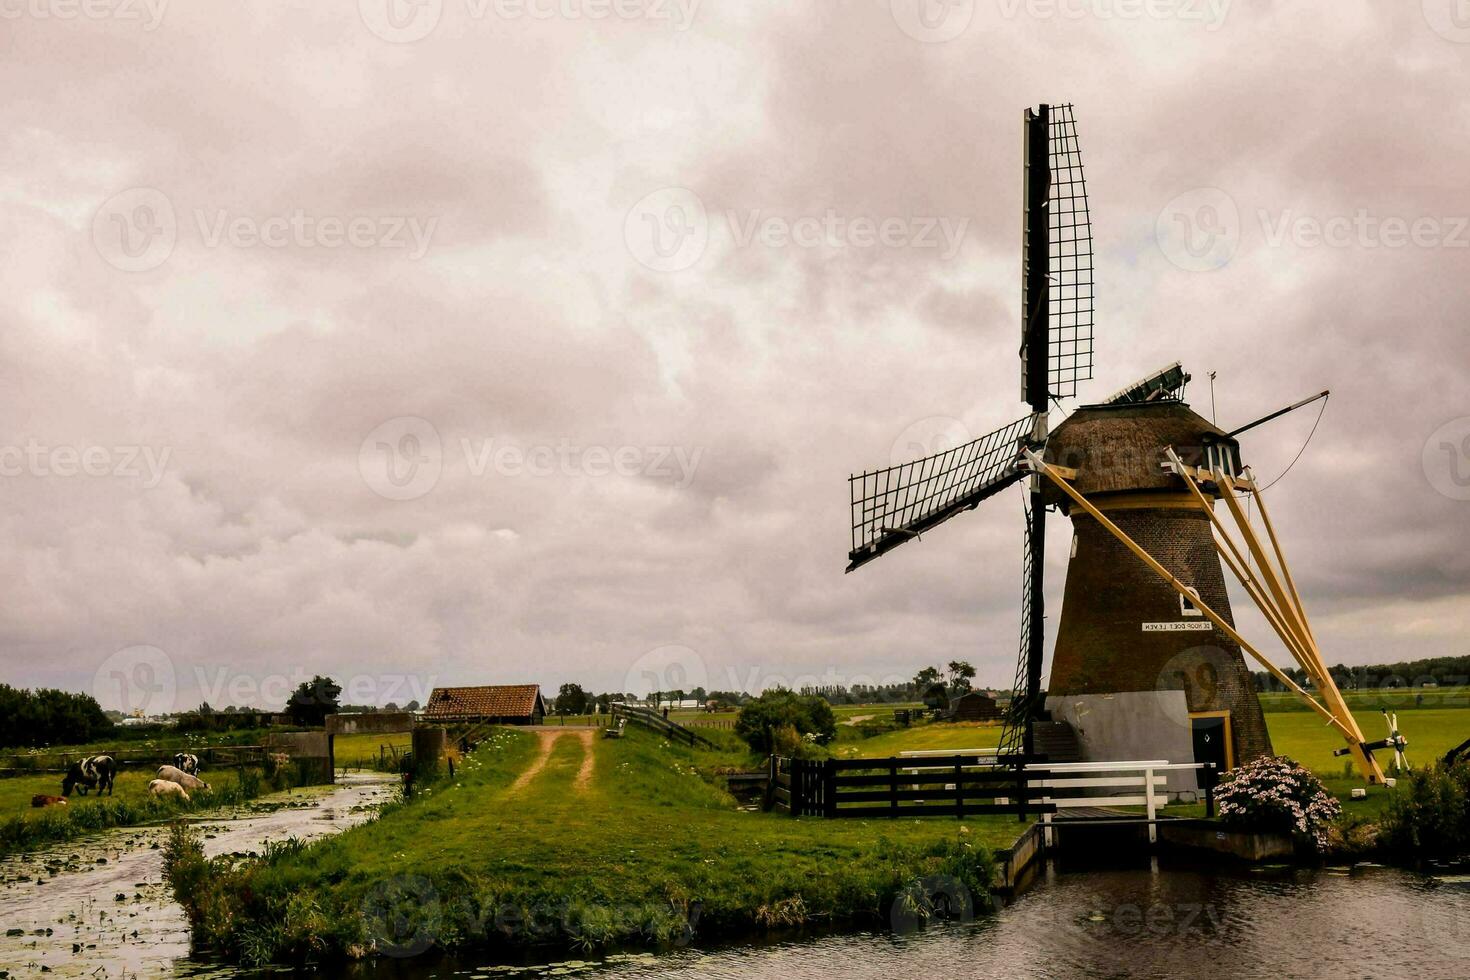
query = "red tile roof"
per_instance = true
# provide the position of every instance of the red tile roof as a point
(491, 701)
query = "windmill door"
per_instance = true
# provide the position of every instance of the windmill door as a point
(1212, 738)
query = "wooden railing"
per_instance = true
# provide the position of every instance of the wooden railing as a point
(657, 722)
(938, 786)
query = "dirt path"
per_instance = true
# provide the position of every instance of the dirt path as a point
(548, 742)
(589, 762)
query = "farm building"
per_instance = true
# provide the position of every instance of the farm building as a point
(509, 704)
(974, 706)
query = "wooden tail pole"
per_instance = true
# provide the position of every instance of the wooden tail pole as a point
(1041, 466)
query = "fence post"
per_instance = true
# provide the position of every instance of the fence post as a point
(1022, 791)
(893, 789)
(797, 775)
(829, 790)
(1148, 792)
(959, 789)
(1210, 790)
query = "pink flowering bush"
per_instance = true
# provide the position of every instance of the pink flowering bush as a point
(1276, 795)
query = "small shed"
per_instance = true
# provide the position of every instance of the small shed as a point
(974, 706)
(506, 704)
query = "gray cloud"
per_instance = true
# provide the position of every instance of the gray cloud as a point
(530, 322)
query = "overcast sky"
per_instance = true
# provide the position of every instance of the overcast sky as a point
(476, 341)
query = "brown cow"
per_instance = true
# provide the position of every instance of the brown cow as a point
(41, 799)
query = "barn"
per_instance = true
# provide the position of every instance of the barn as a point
(506, 704)
(974, 706)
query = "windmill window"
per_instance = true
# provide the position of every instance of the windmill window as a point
(1187, 608)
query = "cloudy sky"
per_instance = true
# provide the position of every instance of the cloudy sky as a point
(534, 340)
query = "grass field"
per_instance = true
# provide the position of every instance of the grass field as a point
(584, 840)
(361, 751)
(16, 792)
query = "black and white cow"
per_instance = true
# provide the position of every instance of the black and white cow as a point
(94, 772)
(187, 763)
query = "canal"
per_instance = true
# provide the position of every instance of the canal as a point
(1154, 918)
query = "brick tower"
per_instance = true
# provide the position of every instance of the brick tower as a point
(1138, 672)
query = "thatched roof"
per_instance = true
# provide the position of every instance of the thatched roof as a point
(1118, 448)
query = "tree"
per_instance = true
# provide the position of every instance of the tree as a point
(960, 675)
(310, 703)
(412, 705)
(926, 679)
(762, 719)
(571, 700)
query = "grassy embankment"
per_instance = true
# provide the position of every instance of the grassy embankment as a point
(590, 843)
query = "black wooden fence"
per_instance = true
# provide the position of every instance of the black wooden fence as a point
(930, 786)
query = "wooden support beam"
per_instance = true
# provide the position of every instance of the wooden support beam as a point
(1238, 566)
(1042, 467)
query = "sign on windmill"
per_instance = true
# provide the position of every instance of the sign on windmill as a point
(1148, 663)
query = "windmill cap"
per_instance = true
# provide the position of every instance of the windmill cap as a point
(1121, 448)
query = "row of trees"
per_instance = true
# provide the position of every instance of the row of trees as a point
(1443, 671)
(49, 717)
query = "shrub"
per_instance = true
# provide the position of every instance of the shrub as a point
(1275, 795)
(763, 717)
(1428, 814)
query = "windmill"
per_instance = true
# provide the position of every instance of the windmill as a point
(1148, 662)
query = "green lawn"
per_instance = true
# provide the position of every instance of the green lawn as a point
(595, 855)
(1431, 733)
(361, 751)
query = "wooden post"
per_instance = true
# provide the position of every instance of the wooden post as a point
(1148, 792)
(893, 789)
(959, 788)
(829, 790)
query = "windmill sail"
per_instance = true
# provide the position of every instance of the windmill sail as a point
(1057, 286)
(897, 503)
(1069, 223)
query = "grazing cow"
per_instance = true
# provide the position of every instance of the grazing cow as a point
(188, 763)
(164, 787)
(176, 775)
(94, 772)
(41, 799)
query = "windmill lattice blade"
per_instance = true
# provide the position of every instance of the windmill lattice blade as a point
(1163, 385)
(894, 504)
(1070, 296)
